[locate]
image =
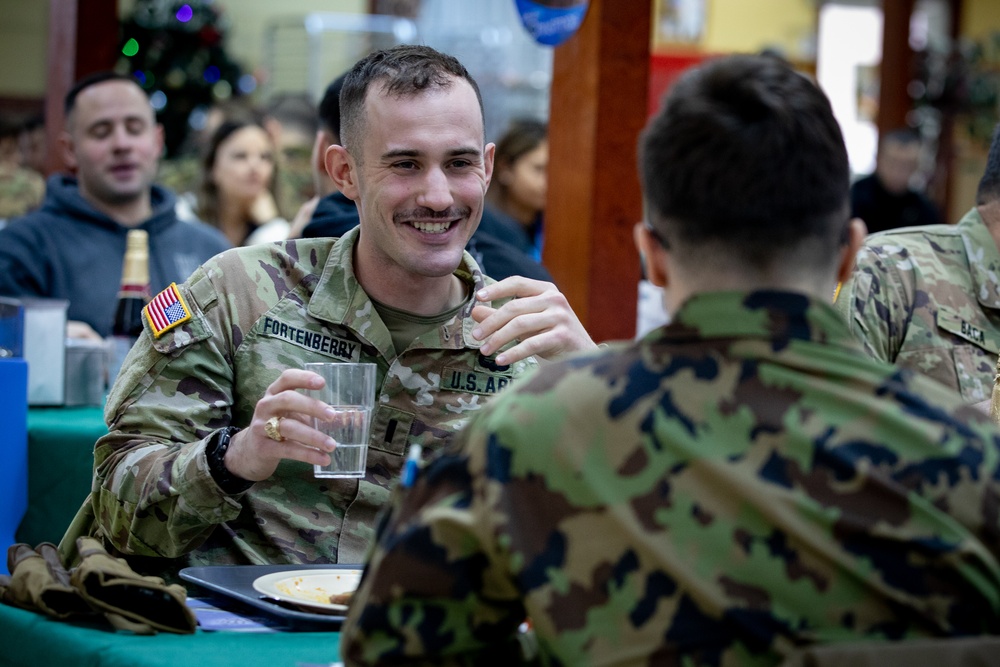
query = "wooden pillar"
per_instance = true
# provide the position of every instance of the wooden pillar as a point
(941, 185)
(60, 75)
(598, 108)
(83, 38)
(896, 70)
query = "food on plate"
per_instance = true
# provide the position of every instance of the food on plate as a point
(341, 598)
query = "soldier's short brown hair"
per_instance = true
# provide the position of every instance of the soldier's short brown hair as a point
(403, 70)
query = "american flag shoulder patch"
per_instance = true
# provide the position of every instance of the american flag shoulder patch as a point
(166, 310)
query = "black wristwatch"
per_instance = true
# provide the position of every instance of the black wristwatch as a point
(215, 452)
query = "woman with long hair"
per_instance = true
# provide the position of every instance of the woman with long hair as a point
(238, 187)
(517, 191)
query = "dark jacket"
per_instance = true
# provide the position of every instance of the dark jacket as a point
(69, 250)
(882, 210)
(333, 216)
(499, 260)
(501, 226)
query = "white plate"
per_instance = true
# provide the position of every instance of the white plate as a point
(309, 588)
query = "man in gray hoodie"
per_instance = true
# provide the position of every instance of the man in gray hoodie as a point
(72, 247)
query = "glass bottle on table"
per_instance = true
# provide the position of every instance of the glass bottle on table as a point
(133, 295)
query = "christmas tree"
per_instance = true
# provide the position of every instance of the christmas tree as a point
(176, 50)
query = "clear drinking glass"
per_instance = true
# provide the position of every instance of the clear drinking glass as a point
(350, 391)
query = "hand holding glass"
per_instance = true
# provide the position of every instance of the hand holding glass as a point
(350, 391)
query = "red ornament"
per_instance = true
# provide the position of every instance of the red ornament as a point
(209, 35)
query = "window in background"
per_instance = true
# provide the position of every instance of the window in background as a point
(849, 51)
(514, 73)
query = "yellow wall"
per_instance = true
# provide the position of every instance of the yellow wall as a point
(788, 26)
(22, 47)
(980, 18)
(751, 25)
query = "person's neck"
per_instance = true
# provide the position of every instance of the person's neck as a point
(233, 221)
(127, 214)
(424, 296)
(680, 290)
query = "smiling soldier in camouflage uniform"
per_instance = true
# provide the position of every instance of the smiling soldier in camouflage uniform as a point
(928, 298)
(189, 470)
(740, 482)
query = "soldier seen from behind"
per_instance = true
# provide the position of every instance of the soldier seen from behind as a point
(738, 483)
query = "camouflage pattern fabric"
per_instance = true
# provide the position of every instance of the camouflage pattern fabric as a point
(21, 191)
(257, 311)
(740, 482)
(928, 298)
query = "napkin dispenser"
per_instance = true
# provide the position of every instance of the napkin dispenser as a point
(45, 349)
(86, 371)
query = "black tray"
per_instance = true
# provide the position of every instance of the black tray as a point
(236, 582)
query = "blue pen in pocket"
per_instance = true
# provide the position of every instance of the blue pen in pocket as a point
(411, 466)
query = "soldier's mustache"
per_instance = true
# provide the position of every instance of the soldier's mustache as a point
(430, 214)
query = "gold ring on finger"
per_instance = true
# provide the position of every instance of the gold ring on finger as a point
(271, 427)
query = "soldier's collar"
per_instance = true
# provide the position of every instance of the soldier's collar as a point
(984, 259)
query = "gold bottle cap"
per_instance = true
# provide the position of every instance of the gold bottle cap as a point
(135, 272)
(137, 239)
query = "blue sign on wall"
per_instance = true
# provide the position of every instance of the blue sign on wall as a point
(551, 22)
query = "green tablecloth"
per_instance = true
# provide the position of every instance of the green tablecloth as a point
(60, 468)
(31, 640)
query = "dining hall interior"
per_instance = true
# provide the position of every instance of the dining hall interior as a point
(931, 67)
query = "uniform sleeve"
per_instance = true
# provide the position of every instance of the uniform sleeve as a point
(876, 303)
(434, 591)
(153, 492)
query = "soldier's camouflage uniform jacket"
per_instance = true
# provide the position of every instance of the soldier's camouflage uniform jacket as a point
(21, 191)
(257, 311)
(928, 298)
(738, 482)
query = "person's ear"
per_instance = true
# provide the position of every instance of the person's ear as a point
(68, 150)
(653, 254)
(856, 232)
(489, 157)
(342, 169)
(161, 143)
